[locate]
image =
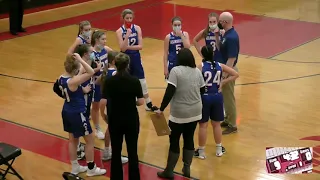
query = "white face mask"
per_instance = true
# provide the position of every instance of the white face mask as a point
(87, 34)
(213, 26)
(176, 28)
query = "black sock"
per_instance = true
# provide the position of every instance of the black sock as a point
(90, 165)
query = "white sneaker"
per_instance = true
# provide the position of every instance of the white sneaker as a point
(124, 160)
(78, 169)
(199, 153)
(220, 150)
(96, 171)
(106, 155)
(99, 134)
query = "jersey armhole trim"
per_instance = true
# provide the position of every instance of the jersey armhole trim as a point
(172, 84)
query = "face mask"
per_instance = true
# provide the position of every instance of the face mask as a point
(86, 33)
(213, 26)
(92, 56)
(220, 26)
(176, 28)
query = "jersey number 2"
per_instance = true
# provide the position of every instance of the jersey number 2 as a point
(216, 79)
(132, 42)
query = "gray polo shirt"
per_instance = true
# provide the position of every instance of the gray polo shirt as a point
(186, 105)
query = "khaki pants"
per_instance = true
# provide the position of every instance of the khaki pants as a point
(230, 102)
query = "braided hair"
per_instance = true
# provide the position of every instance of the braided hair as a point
(207, 53)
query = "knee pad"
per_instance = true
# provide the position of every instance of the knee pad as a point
(143, 83)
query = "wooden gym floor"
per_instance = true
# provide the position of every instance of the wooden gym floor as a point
(277, 105)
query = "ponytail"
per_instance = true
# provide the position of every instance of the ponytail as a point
(207, 53)
(96, 35)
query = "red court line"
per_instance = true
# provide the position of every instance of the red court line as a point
(47, 7)
(57, 148)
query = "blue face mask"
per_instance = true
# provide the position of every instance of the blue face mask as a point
(92, 56)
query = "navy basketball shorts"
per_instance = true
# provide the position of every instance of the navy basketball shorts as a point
(76, 123)
(97, 93)
(212, 107)
(135, 67)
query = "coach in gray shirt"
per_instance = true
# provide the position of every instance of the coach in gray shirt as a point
(185, 85)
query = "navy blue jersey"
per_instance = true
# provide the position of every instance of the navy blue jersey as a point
(74, 101)
(211, 40)
(175, 44)
(212, 74)
(83, 40)
(111, 72)
(133, 38)
(101, 57)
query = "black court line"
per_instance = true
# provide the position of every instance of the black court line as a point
(243, 84)
(64, 138)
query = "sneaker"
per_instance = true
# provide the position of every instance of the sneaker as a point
(106, 155)
(96, 171)
(150, 107)
(224, 124)
(80, 155)
(78, 169)
(199, 153)
(124, 160)
(230, 130)
(99, 134)
(220, 150)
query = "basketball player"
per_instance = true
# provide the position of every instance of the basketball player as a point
(100, 51)
(84, 35)
(212, 99)
(74, 121)
(108, 71)
(85, 51)
(130, 41)
(212, 36)
(209, 34)
(173, 42)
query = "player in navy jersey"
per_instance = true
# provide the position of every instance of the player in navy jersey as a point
(85, 50)
(130, 41)
(100, 54)
(212, 99)
(74, 121)
(173, 42)
(211, 34)
(84, 36)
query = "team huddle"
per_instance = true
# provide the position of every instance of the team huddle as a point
(89, 62)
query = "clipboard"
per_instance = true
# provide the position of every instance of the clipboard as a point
(160, 124)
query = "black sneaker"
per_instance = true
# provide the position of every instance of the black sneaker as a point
(80, 155)
(230, 130)
(150, 107)
(224, 124)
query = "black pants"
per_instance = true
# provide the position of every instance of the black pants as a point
(16, 15)
(130, 131)
(187, 131)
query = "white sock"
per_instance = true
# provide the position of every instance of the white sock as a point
(219, 145)
(148, 100)
(107, 149)
(201, 147)
(75, 163)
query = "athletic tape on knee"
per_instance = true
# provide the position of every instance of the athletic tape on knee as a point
(143, 83)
